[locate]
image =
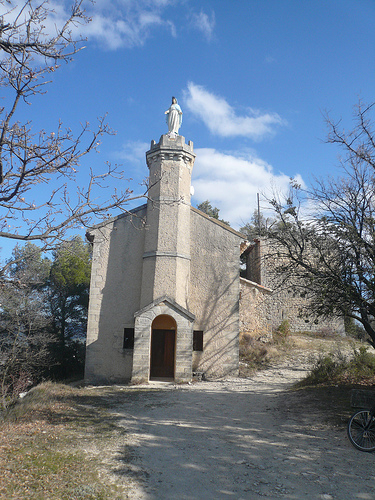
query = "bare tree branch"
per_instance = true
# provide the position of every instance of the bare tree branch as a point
(40, 198)
(329, 249)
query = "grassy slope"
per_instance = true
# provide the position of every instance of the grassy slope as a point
(52, 444)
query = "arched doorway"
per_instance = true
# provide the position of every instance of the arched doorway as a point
(163, 346)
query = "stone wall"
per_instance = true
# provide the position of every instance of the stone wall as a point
(184, 340)
(167, 244)
(255, 310)
(115, 290)
(289, 302)
(115, 296)
(214, 294)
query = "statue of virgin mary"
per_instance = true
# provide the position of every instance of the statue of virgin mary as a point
(173, 118)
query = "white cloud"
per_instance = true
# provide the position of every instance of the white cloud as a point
(132, 160)
(231, 181)
(222, 119)
(204, 23)
(270, 60)
(130, 23)
(121, 23)
(127, 23)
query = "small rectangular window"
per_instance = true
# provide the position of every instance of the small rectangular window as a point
(198, 340)
(128, 338)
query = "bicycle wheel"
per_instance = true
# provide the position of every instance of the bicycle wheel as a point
(361, 430)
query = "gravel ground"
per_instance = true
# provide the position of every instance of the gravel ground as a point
(243, 438)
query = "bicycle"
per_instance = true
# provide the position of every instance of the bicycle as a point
(361, 429)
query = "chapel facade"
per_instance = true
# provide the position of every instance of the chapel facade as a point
(165, 285)
(166, 297)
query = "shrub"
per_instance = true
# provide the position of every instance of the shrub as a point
(363, 363)
(355, 330)
(12, 386)
(325, 369)
(281, 334)
(254, 354)
(334, 369)
(325, 333)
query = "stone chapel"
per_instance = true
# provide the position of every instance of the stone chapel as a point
(166, 297)
(165, 284)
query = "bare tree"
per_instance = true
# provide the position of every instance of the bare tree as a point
(324, 237)
(29, 160)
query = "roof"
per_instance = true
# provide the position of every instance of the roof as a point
(113, 219)
(219, 223)
(244, 245)
(255, 285)
(246, 249)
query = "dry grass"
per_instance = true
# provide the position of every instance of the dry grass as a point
(51, 447)
(303, 348)
(258, 354)
(356, 368)
(337, 366)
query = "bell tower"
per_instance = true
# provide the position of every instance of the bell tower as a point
(166, 258)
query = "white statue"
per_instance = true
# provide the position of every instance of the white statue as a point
(173, 118)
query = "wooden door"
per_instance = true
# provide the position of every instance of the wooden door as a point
(162, 353)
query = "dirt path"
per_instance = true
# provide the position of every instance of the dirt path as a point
(237, 439)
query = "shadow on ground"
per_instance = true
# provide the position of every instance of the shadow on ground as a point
(239, 439)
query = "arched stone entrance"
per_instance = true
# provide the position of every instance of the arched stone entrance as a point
(163, 347)
(163, 314)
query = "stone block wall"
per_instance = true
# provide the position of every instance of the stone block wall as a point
(142, 337)
(214, 294)
(288, 302)
(114, 297)
(255, 310)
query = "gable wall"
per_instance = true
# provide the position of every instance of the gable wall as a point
(115, 291)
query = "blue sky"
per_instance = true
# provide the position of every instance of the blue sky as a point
(253, 79)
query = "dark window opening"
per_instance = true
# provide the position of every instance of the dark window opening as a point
(198, 340)
(128, 338)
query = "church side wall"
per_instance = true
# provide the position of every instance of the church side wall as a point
(115, 291)
(214, 296)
